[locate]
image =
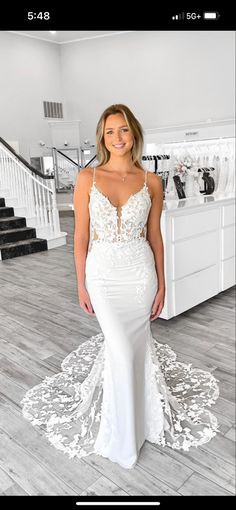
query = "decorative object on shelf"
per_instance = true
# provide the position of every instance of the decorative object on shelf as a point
(209, 183)
(170, 190)
(187, 170)
(183, 166)
(179, 186)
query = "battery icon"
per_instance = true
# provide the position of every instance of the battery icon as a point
(211, 15)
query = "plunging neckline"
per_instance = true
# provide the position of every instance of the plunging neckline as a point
(127, 201)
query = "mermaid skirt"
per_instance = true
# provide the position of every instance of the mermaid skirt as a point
(122, 387)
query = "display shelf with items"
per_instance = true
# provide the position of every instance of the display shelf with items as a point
(198, 167)
(198, 217)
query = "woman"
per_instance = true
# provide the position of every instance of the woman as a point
(121, 386)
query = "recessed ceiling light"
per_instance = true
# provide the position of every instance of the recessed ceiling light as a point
(52, 31)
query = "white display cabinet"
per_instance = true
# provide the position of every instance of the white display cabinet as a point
(227, 252)
(198, 231)
(199, 247)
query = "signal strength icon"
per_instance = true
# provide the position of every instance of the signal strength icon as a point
(178, 16)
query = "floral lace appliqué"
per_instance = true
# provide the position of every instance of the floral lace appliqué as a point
(68, 405)
(118, 225)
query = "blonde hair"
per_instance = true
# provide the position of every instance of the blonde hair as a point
(103, 154)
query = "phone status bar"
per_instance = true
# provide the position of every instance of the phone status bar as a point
(194, 16)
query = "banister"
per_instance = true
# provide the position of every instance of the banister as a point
(66, 157)
(24, 161)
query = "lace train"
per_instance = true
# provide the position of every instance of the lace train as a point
(69, 405)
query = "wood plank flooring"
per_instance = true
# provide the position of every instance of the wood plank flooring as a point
(40, 323)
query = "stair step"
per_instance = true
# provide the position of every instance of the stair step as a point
(2, 202)
(10, 250)
(12, 222)
(16, 234)
(6, 212)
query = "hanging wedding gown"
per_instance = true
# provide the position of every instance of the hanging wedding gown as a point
(121, 386)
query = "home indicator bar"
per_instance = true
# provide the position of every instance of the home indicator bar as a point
(117, 503)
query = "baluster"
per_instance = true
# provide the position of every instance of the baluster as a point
(12, 178)
(1, 169)
(4, 171)
(6, 168)
(37, 211)
(19, 184)
(40, 200)
(50, 218)
(27, 191)
(21, 187)
(8, 173)
(24, 175)
(31, 195)
(55, 214)
(45, 219)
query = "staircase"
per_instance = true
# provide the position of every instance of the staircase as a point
(15, 237)
(29, 218)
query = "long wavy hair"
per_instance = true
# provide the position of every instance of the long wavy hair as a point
(103, 155)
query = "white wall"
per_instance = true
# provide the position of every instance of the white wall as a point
(30, 74)
(165, 77)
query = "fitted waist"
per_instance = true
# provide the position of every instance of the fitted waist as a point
(106, 256)
(106, 251)
(119, 243)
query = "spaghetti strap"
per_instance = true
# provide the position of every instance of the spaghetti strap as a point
(145, 177)
(94, 175)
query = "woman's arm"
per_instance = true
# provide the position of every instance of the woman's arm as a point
(154, 228)
(81, 232)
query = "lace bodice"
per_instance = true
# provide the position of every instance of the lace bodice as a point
(118, 224)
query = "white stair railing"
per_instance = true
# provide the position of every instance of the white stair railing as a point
(35, 193)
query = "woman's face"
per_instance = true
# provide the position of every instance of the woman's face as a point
(118, 137)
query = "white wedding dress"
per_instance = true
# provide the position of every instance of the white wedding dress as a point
(121, 386)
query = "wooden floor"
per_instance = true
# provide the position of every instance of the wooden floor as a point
(41, 322)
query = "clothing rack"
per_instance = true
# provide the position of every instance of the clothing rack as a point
(155, 158)
(206, 169)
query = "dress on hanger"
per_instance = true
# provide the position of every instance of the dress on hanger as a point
(122, 386)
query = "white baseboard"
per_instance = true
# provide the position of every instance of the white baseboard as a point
(57, 241)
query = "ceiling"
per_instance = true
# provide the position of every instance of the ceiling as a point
(64, 37)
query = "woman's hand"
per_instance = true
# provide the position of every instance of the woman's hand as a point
(158, 304)
(84, 301)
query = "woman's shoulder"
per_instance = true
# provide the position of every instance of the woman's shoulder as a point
(84, 179)
(88, 171)
(85, 175)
